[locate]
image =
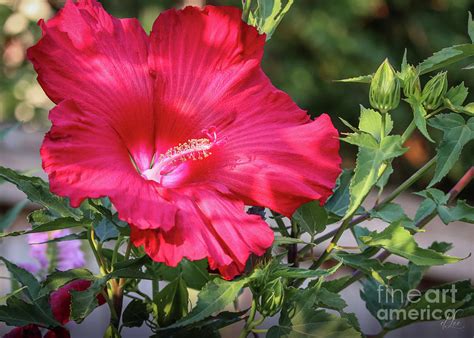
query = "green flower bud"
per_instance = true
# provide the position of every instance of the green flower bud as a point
(411, 82)
(434, 91)
(271, 299)
(385, 88)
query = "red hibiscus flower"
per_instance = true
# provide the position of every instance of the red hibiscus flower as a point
(180, 129)
(60, 301)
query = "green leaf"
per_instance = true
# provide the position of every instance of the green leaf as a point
(419, 116)
(172, 302)
(311, 217)
(390, 212)
(383, 180)
(299, 319)
(330, 300)
(60, 278)
(205, 328)
(71, 237)
(105, 230)
(371, 122)
(37, 191)
(7, 220)
(195, 273)
(135, 314)
(458, 94)
(19, 313)
(368, 165)
(84, 302)
(382, 272)
(57, 224)
(456, 134)
(214, 297)
(281, 240)
(400, 241)
(358, 79)
(470, 27)
(288, 272)
(265, 15)
(339, 200)
(446, 57)
(24, 277)
(460, 212)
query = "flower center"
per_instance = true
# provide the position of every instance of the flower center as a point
(173, 158)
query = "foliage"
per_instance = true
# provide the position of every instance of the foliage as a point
(276, 280)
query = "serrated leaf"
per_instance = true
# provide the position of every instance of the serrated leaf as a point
(419, 116)
(296, 273)
(390, 212)
(265, 15)
(370, 121)
(24, 277)
(195, 273)
(57, 224)
(299, 319)
(214, 297)
(460, 212)
(7, 220)
(446, 57)
(339, 200)
(71, 237)
(383, 272)
(362, 140)
(84, 302)
(172, 302)
(58, 279)
(367, 171)
(203, 328)
(400, 241)
(330, 300)
(311, 217)
(105, 230)
(358, 79)
(37, 191)
(19, 313)
(456, 134)
(135, 314)
(458, 94)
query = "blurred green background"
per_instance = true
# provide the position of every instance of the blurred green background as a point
(317, 43)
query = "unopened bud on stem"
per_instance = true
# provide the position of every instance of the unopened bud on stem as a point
(385, 88)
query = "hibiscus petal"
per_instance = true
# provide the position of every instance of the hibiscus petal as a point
(271, 153)
(100, 62)
(208, 224)
(85, 158)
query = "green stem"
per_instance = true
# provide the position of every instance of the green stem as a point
(248, 324)
(116, 250)
(407, 133)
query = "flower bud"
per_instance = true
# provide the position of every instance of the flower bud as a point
(385, 88)
(434, 91)
(271, 299)
(411, 82)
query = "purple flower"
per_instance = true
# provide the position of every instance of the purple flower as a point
(69, 254)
